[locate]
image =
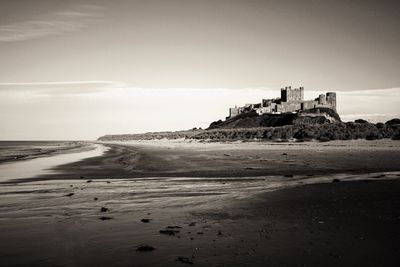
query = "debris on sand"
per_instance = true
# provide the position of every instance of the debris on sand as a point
(288, 175)
(169, 232)
(284, 154)
(174, 227)
(336, 180)
(184, 260)
(69, 195)
(145, 248)
(95, 198)
(219, 232)
(88, 181)
(104, 209)
(145, 220)
(200, 233)
(104, 218)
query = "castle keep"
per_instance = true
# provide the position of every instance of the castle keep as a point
(291, 100)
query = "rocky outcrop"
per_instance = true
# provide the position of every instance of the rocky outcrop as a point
(252, 119)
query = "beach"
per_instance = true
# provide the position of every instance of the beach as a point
(187, 158)
(178, 203)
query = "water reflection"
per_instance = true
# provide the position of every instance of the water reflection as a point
(42, 166)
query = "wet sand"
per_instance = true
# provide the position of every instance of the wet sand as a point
(168, 158)
(213, 205)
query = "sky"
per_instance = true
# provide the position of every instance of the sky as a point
(79, 69)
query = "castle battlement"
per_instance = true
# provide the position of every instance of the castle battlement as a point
(291, 100)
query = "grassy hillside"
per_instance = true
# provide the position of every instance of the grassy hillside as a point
(298, 132)
(252, 119)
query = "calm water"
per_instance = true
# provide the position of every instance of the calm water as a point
(40, 166)
(19, 150)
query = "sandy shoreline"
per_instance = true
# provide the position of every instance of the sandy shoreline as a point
(218, 199)
(193, 159)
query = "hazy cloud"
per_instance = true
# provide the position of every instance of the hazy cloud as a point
(61, 88)
(390, 92)
(50, 24)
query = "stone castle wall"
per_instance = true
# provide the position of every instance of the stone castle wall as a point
(291, 100)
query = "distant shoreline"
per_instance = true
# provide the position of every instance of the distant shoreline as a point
(191, 158)
(296, 132)
(11, 151)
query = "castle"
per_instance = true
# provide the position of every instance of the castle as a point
(291, 100)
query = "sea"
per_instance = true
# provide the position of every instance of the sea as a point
(27, 159)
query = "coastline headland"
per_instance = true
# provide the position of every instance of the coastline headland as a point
(294, 132)
(288, 118)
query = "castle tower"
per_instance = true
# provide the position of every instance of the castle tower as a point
(321, 99)
(331, 99)
(301, 93)
(284, 94)
(289, 94)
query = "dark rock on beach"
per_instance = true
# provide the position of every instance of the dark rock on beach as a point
(145, 248)
(173, 227)
(169, 232)
(105, 218)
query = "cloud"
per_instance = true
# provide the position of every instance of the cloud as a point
(378, 105)
(50, 24)
(389, 92)
(61, 88)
